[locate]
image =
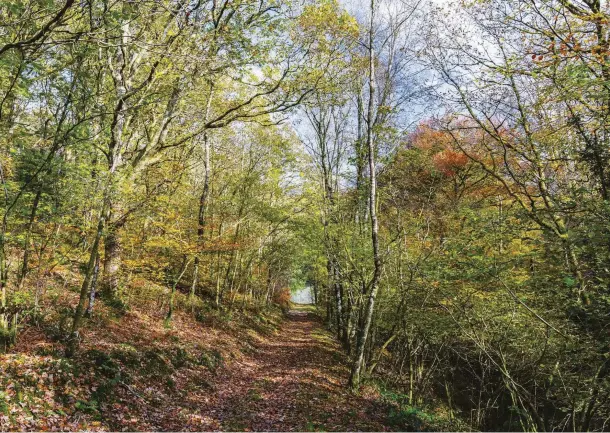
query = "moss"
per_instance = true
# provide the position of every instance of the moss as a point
(127, 354)
(4, 409)
(105, 364)
(180, 357)
(156, 363)
(211, 359)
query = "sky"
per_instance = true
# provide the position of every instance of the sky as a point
(302, 296)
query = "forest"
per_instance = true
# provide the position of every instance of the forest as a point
(435, 172)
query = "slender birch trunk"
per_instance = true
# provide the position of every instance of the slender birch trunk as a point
(358, 362)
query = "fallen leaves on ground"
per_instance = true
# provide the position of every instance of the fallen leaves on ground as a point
(135, 375)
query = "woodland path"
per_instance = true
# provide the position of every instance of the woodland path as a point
(294, 380)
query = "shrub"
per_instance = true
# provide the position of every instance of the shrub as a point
(282, 298)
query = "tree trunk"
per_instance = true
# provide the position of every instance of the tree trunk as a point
(217, 299)
(268, 291)
(203, 199)
(74, 337)
(360, 220)
(329, 310)
(28, 235)
(370, 306)
(170, 311)
(92, 291)
(3, 255)
(112, 263)
(332, 282)
(342, 323)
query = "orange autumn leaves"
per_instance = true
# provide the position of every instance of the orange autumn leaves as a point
(445, 158)
(282, 298)
(449, 162)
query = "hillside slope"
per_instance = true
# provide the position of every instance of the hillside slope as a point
(222, 372)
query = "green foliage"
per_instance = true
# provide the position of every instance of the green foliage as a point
(147, 140)
(210, 359)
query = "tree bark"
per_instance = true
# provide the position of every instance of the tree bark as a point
(112, 263)
(170, 311)
(357, 365)
(28, 235)
(203, 199)
(92, 291)
(74, 336)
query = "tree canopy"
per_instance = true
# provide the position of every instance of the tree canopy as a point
(437, 174)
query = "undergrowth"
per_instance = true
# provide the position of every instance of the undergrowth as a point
(406, 416)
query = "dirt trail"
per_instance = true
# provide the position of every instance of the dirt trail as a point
(295, 380)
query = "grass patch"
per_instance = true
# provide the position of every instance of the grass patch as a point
(323, 336)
